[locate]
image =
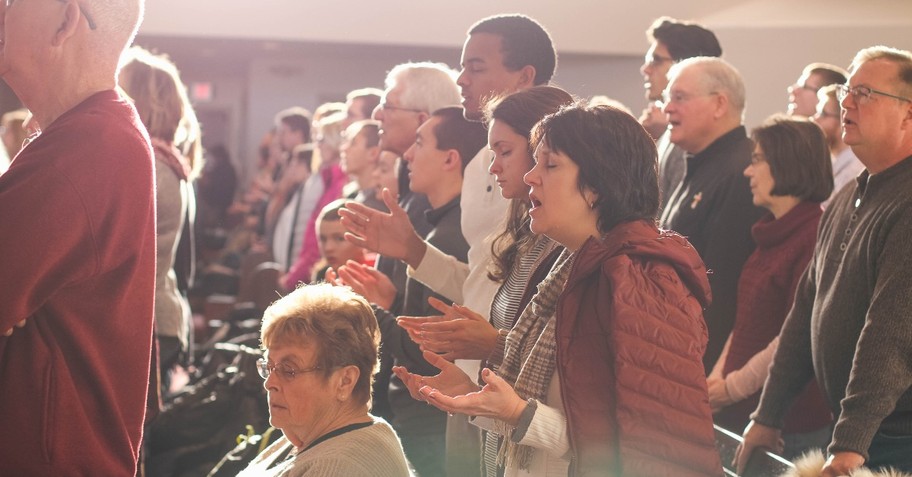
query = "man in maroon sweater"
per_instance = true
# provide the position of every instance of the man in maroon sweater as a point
(77, 246)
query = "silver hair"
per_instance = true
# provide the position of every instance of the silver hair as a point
(716, 76)
(425, 86)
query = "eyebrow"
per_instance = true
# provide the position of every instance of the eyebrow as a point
(473, 61)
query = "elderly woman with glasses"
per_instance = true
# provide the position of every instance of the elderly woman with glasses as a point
(320, 345)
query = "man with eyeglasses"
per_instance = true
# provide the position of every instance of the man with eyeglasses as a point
(712, 205)
(413, 92)
(849, 325)
(77, 245)
(846, 165)
(671, 41)
(802, 95)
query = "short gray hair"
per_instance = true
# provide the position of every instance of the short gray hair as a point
(425, 86)
(902, 59)
(717, 76)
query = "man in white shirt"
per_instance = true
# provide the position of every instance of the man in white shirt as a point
(502, 54)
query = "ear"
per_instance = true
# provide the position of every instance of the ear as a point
(68, 24)
(345, 380)
(526, 77)
(452, 162)
(721, 104)
(422, 118)
(373, 153)
(591, 197)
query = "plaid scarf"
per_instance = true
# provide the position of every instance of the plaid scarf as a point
(529, 354)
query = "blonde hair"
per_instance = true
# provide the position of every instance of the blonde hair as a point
(154, 85)
(338, 322)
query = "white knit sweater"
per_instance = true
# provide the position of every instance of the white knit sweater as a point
(372, 451)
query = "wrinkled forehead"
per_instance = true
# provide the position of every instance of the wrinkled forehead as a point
(873, 73)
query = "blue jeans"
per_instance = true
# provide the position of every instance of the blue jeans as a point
(890, 451)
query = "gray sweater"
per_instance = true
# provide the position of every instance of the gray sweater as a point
(850, 324)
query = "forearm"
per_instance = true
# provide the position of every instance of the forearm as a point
(441, 272)
(746, 381)
(547, 430)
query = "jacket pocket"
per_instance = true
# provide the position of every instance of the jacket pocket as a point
(48, 417)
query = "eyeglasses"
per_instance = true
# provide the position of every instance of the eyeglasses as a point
(804, 86)
(681, 97)
(388, 107)
(286, 372)
(863, 93)
(656, 60)
(89, 20)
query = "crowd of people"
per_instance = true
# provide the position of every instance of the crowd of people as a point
(480, 273)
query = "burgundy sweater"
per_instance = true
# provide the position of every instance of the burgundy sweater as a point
(766, 291)
(77, 260)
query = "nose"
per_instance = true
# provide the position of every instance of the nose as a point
(849, 100)
(532, 177)
(495, 167)
(271, 383)
(646, 68)
(462, 80)
(749, 171)
(409, 155)
(668, 106)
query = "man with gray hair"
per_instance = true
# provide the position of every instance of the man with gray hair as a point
(849, 325)
(77, 248)
(712, 206)
(413, 92)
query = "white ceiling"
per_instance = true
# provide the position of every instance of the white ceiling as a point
(578, 26)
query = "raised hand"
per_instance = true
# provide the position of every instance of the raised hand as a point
(451, 379)
(496, 400)
(369, 283)
(390, 234)
(459, 333)
(332, 278)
